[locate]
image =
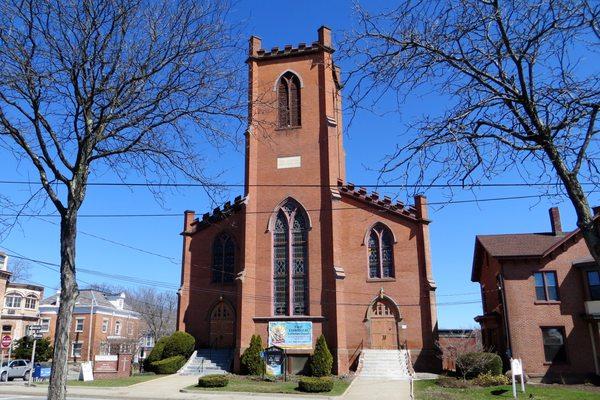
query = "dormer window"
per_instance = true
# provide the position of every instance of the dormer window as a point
(288, 98)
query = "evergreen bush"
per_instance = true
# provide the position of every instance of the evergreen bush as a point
(315, 385)
(169, 365)
(321, 361)
(251, 362)
(211, 381)
(156, 354)
(179, 344)
(470, 365)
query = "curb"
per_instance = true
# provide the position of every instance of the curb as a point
(255, 394)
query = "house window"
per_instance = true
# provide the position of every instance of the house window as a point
(554, 344)
(594, 284)
(79, 325)
(30, 302)
(290, 256)
(13, 300)
(381, 255)
(6, 328)
(288, 95)
(105, 325)
(118, 328)
(104, 348)
(546, 288)
(223, 268)
(76, 349)
(45, 324)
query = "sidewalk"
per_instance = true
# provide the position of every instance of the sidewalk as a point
(375, 389)
(164, 388)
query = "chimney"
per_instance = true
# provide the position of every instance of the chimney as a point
(325, 36)
(555, 221)
(255, 45)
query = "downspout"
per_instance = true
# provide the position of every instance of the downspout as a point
(505, 311)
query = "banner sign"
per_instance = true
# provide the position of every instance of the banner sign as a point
(40, 372)
(291, 334)
(274, 360)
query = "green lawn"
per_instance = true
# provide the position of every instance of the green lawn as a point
(429, 390)
(116, 382)
(256, 385)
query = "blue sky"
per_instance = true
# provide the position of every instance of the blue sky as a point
(277, 23)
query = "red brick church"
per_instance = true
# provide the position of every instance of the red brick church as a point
(303, 252)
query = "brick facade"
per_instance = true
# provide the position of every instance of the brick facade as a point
(305, 164)
(114, 329)
(515, 314)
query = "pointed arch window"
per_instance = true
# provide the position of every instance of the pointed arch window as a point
(381, 252)
(288, 99)
(223, 268)
(290, 260)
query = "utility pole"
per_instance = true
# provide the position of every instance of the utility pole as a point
(32, 360)
(89, 349)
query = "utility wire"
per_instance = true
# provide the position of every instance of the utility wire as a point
(306, 185)
(179, 215)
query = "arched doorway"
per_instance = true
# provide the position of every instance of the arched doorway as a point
(383, 318)
(222, 326)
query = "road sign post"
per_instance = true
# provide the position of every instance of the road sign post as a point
(6, 340)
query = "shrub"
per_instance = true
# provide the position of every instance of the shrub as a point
(156, 354)
(24, 346)
(210, 381)
(250, 361)
(168, 365)
(315, 385)
(453, 383)
(321, 362)
(489, 379)
(179, 344)
(470, 365)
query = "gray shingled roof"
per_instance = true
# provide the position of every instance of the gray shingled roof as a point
(518, 244)
(85, 298)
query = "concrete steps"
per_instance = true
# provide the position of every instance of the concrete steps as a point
(208, 362)
(384, 364)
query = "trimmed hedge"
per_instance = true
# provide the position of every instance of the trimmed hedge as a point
(321, 361)
(156, 354)
(168, 365)
(211, 381)
(477, 363)
(315, 385)
(251, 362)
(179, 344)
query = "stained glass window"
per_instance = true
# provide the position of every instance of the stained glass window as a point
(290, 243)
(381, 252)
(223, 268)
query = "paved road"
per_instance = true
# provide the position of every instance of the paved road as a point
(17, 397)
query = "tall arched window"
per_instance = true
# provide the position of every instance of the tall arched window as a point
(381, 253)
(223, 268)
(290, 260)
(288, 98)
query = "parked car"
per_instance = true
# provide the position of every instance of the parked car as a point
(15, 369)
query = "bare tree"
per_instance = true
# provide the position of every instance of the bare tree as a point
(158, 310)
(97, 86)
(20, 270)
(519, 85)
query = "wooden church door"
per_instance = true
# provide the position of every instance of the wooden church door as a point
(222, 323)
(384, 327)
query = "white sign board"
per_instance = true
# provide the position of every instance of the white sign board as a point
(289, 162)
(86, 374)
(516, 367)
(110, 357)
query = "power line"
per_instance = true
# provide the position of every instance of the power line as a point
(300, 185)
(179, 215)
(191, 289)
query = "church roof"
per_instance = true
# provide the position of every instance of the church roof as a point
(374, 200)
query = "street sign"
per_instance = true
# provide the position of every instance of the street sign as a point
(6, 340)
(37, 336)
(34, 328)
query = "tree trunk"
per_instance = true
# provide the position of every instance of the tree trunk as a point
(57, 390)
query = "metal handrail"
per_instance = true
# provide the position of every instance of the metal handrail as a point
(354, 355)
(411, 371)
